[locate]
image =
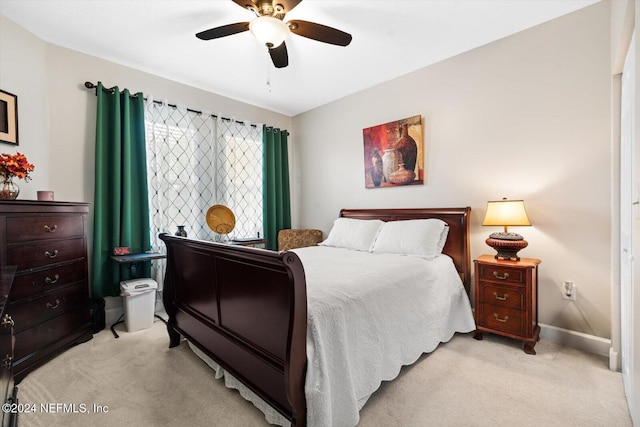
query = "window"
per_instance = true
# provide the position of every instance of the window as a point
(194, 161)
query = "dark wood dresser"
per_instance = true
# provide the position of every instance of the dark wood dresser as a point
(507, 299)
(8, 390)
(49, 301)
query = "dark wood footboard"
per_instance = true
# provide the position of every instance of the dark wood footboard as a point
(246, 308)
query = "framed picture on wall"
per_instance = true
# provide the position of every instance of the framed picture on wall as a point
(8, 118)
(393, 154)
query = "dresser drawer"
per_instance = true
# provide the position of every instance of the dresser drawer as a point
(32, 284)
(28, 228)
(502, 319)
(27, 255)
(501, 273)
(30, 313)
(503, 296)
(39, 336)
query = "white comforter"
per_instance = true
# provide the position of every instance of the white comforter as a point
(368, 315)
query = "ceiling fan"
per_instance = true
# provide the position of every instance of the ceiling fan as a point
(271, 30)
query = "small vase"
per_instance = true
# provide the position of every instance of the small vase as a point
(8, 189)
(402, 176)
(408, 148)
(181, 231)
(389, 162)
(376, 169)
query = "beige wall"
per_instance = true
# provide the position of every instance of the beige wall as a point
(525, 117)
(22, 72)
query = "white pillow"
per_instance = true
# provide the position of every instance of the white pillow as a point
(421, 237)
(357, 234)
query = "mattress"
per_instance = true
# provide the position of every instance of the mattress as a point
(368, 315)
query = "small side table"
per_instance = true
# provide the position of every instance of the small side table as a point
(506, 296)
(133, 261)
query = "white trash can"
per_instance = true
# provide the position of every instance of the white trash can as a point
(139, 297)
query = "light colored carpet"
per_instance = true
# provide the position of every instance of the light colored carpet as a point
(463, 383)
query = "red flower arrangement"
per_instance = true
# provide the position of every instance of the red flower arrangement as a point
(16, 165)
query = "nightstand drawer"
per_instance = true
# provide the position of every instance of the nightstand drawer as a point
(502, 319)
(24, 229)
(501, 273)
(503, 296)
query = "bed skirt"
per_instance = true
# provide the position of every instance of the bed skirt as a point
(271, 415)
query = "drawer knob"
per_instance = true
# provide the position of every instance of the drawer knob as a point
(499, 319)
(51, 254)
(50, 229)
(7, 320)
(501, 298)
(6, 362)
(505, 276)
(53, 306)
(51, 281)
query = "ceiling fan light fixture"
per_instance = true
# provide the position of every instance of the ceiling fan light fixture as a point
(269, 31)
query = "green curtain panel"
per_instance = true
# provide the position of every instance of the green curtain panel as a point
(276, 202)
(121, 206)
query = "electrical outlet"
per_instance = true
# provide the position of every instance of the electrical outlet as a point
(569, 290)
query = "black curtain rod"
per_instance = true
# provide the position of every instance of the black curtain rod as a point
(90, 85)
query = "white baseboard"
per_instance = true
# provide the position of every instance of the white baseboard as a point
(614, 360)
(579, 340)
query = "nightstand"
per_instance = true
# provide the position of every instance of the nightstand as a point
(506, 296)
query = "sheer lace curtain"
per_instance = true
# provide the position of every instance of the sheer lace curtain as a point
(196, 160)
(239, 175)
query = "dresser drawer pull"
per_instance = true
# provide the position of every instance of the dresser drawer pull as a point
(499, 319)
(51, 255)
(51, 281)
(52, 306)
(7, 320)
(503, 277)
(50, 229)
(6, 362)
(501, 298)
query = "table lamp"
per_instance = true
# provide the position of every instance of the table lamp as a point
(505, 213)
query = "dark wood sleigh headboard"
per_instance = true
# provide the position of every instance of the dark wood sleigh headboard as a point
(457, 246)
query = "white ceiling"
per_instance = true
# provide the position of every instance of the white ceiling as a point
(390, 38)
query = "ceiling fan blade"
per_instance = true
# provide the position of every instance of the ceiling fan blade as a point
(225, 30)
(287, 5)
(319, 32)
(279, 56)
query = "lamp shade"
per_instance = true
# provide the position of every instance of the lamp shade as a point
(269, 31)
(506, 213)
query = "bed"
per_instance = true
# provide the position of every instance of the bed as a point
(247, 310)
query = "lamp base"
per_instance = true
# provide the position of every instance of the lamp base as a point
(507, 249)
